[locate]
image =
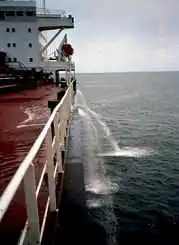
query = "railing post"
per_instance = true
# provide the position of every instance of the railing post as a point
(70, 102)
(50, 172)
(57, 137)
(62, 134)
(33, 232)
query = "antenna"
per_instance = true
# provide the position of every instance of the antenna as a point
(43, 5)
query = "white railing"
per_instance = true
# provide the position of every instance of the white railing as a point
(53, 136)
(53, 12)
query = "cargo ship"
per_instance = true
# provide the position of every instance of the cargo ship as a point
(28, 55)
(37, 86)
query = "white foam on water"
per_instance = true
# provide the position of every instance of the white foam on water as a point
(102, 188)
(129, 152)
(94, 203)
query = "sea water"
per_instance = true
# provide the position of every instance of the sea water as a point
(131, 133)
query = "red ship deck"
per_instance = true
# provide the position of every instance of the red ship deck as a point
(22, 116)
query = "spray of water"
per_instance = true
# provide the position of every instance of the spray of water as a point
(100, 126)
(99, 187)
(106, 130)
(102, 131)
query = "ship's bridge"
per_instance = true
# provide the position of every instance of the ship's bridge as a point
(53, 19)
(17, 10)
(48, 19)
(23, 29)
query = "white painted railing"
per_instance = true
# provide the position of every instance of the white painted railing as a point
(53, 135)
(49, 12)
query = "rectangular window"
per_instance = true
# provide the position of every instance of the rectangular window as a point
(14, 45)
(2, 17)
(10, 13)
(30, 13)
(30, 59)
(7, 29)
(19, 13)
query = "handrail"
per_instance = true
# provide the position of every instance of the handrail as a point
(42, 11)
(26, 169)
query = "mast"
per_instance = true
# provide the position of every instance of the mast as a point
(43, 5)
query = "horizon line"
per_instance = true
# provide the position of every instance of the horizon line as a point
(152, 71)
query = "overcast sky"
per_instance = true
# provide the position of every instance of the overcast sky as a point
(123, 35)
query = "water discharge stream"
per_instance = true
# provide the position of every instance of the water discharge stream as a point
(99, 188)
(102, 134)
(99, 144)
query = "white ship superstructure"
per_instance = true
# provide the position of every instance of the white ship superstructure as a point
(23, 38)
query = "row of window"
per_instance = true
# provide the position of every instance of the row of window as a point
(17, 13)
(14, 45)
(15, 60)
(12, 60)
(13, 30)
